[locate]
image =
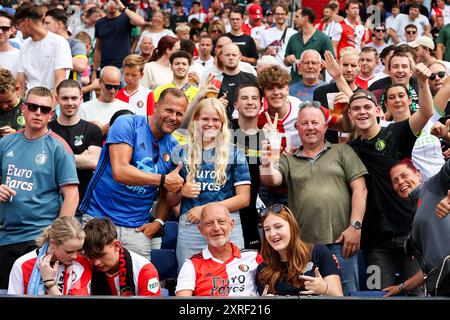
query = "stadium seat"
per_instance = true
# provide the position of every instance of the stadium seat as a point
(169, 239)
(367, 293)
(165, 261)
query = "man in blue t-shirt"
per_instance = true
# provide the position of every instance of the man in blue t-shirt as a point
(135, 164)
(39, 181)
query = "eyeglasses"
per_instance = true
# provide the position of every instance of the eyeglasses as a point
(440, 74)
(109, 87)
(34, 107)
(275, 208)
(411, 31)
(5, 28)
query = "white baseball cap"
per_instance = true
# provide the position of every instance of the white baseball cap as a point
(422, 41)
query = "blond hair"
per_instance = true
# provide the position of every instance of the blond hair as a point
(134, 61)
(222, 141)
(348, 51)
(62, 229)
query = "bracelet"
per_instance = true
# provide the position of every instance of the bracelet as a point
(161, 222)
(402, 288)
(163, 180)
(45, 281)
(48, 287)
(326, 290)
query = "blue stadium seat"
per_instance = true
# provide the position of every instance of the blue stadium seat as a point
(165, 261)
(169, 240)
(368, 293)
(164, 292)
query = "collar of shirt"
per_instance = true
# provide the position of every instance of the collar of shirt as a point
(299, 152)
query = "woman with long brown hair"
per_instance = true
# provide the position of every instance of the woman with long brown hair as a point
(157, 72)
(292, 266)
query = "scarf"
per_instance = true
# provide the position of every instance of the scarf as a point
(99, 284)
(36, 284)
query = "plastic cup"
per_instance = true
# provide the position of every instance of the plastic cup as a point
(217, 83)
(274, 139)
(336, 108)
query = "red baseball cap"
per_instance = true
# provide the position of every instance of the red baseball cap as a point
(255, 11)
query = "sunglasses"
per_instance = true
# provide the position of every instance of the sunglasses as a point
(411, 32)
(5, 28)
(34, 107)
(109, 87)
(275, 208)
(216, 31)
(440, 74)
(314, 104)
(379, 30)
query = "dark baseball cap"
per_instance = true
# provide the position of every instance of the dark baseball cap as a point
(363, 94)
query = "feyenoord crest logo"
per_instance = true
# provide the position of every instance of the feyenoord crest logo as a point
(140, 104)
(166, 157)
(41, 159)
(380, 145)
(243, 267)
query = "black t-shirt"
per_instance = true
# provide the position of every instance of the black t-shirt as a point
(386, 212)
(115, 39)
(246, 45)
(321, 258)
(229, 85)
(320, 94)
(79, 137)
(174, 19)
(251, 144)
(13, 118)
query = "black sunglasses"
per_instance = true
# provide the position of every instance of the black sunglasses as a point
(440, 74)
(379, 30)
(411, 32)
(109, 87)
(5, 28)
(275, 208)
(34, 107)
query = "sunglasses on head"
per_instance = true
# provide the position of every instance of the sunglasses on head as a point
(411, 31)
(109, 87)
(34, 107)
(440, 74)
(275, 208)
(5, 28)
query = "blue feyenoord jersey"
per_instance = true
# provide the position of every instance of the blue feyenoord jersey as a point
(128, 206)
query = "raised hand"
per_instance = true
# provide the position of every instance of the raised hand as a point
(315, 285)
(332, 66)
(174, 181)
(443, 207)
(191, 189)
(421, 72)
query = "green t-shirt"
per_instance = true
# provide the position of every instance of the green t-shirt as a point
(319, 41)
(319, 192)
(444, 38)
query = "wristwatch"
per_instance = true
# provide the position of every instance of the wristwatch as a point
(49, 286)
(356, 224)
(160, 221)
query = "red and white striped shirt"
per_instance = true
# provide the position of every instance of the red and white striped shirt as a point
(72, 280)
(145, 276)
(208, 276)
(141, 100)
